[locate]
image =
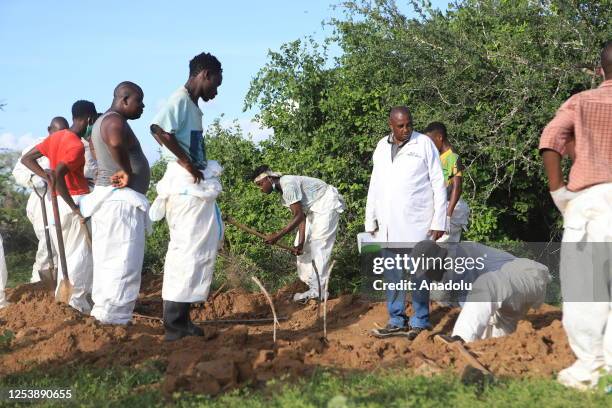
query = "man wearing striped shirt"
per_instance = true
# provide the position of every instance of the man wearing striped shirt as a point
(584, 124)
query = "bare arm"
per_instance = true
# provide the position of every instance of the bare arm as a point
(552, 168)
(169, 141)
(298, 217)
(30, 161)
(59, 184)
(455, 195)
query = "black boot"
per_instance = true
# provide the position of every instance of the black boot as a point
(192, 329)
(176, 318)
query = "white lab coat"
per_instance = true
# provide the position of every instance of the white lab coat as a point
(407, 196)
(196, 231)
(3, 276)
(586, 279)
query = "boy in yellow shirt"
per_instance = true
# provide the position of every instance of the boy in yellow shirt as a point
(457, 212)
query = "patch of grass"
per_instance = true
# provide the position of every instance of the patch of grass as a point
(139, 388)
(19, 266)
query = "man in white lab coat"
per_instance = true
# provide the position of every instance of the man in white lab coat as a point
(406, 204)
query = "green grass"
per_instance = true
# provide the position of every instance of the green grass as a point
(138, 388)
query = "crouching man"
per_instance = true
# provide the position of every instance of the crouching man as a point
(503, 288)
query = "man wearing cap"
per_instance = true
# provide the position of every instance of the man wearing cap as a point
(66, 155)
(316, 208)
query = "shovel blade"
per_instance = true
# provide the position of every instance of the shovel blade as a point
(48, 276)
(64, 292)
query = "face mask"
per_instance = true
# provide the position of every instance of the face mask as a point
(88, 131)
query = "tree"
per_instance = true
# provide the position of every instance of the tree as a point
(493, 71)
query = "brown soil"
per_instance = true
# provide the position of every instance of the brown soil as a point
(50, 335)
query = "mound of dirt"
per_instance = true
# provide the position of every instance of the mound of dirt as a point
(49, 335)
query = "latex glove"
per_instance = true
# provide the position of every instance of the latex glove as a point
(562, 197)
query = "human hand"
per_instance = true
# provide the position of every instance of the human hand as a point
(561, 197)
(435, 235)
(192, 169)
(272, 239)
(120, 179)
(50, 178)
(298, 250)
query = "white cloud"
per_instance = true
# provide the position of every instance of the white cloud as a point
(250, 127)
(11, 141)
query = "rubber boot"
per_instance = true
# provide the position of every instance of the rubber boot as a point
(192, 329)
(176, 316)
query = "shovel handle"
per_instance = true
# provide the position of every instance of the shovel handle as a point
(43, 206)
(58, 231)
(250, 230)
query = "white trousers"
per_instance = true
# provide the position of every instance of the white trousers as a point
(586, 281)
(320, 236)
(3, 276)
(78, 254)
(34, 213)
(500, 299)
(196, 230)
(118, 235)
(458, 221)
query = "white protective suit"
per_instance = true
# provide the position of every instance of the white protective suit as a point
(407, 196)
(25, 178)
(457, 223)
(196, 230)
(3, 276)
(322, 216)
(586, 282)
(78, 253)
(502, 293)
(119, 221)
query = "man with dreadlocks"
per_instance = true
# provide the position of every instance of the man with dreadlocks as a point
(316, 208)
(186, 197)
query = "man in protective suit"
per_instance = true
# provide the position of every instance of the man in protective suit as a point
(187, 197)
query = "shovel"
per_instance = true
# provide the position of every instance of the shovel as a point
(65, 289)
(243, 227)
(48, 276)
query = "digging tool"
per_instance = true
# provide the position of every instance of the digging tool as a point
(218, 321)
(65, 289)
(467, 356)
(47, 275)
(250, 230)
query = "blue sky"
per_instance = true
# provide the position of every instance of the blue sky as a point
(54, 53)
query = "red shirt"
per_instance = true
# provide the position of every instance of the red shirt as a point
(67, 147)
